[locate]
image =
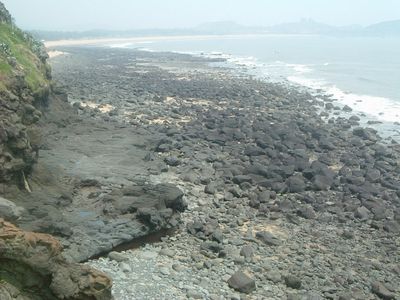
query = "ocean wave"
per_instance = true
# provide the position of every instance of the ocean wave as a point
(145, 49)
(299, 68)
(129, 44)
(307, 82)
(121, 45)
(381, 108)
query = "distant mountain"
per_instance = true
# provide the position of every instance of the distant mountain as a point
(305, 26)
(389, 28)
(227, 27)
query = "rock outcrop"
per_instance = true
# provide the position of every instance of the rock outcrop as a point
(32, 267)
(24, 87)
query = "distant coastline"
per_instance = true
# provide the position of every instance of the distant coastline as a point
(95, 41)
(306, 26)
(156, 38)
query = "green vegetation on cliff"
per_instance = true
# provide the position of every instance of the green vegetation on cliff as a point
(22, 56)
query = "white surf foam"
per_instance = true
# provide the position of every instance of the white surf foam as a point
(381, 108)
(121, 45)
(298, 68)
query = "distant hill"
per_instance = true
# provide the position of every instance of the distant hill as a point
(389, 28)
(305, 26)
(227, 27)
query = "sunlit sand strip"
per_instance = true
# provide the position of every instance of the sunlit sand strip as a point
(272, 228)
(161, 121)
(104, 108)
(50, 44)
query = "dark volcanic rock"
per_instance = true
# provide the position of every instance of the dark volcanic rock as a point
(253, 151)
(391, 226)
(347, 108)
(172, 161)
(159, 196)
(247, 251)
(268, 238)
(322, 183)
(211, 246)
(381, 291)
(373, 175)
(296, 184)
(293, 281)
(362, 213)
(242, 282)
(306, 212)
(366, 133)
(239, 179)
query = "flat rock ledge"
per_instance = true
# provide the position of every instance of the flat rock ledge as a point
(32, 267)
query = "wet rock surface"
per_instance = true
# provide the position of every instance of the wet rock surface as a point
(307, 209)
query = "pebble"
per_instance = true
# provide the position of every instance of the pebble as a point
(125, 267)
(119, 257)
(167, 252)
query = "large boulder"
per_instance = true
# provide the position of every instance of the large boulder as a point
(9, 211)
(34, 262)
(241, 282)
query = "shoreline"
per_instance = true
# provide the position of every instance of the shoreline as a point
(268, 183)
(388, 129)
(341, 109)
(143, 39)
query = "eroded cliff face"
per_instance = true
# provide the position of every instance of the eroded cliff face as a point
(24, 88)
(32, 267)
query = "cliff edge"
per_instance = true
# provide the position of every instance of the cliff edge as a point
(32, 265)
(24, 88)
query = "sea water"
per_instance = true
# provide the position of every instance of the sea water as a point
(361, 72)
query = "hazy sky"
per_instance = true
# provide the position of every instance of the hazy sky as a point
(131, 14)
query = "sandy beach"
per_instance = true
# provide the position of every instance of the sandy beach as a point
(145, 39)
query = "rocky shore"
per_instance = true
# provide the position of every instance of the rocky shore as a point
(269, 198)
(33, 267)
